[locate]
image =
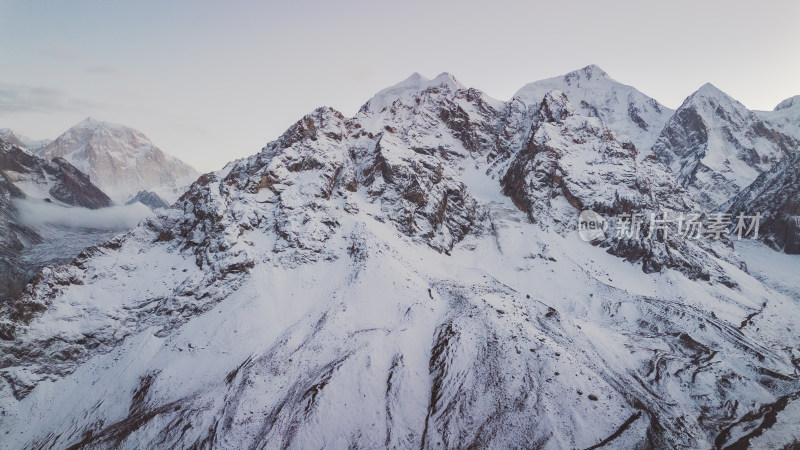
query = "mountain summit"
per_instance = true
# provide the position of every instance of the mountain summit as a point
(717, 147)
(623, 108)
(120, 160)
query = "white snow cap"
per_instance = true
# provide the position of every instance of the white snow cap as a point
(409, 87)
(791, 102)
(709, 90)
(590, 72)
(90, 123)
(708, 94)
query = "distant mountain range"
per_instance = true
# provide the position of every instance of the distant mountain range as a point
(112, 158)
(120, 160)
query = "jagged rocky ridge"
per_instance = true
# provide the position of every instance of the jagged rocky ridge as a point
(150, 199)
(364, 282)
(57, 178)
(717, 147)
(573, 163)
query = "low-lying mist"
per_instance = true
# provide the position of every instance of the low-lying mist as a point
(39, 213)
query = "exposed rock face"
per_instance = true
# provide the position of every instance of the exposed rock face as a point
(57, 178)
(364, 282)
(13, 238)
(151, 199)
(776, 196)
(573, 163)
(716, 147)
(118, 159)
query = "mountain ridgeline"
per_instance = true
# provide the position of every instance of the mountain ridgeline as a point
(411, 276)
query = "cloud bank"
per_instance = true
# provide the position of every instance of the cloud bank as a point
(36, 213)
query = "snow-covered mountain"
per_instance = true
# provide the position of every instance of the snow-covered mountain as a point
(120, 160)
(32, 145)
(49, 212)
(53, 180)
(785, 116)
(776, 196)
(407, 277)
(717, 147)
(623, 108)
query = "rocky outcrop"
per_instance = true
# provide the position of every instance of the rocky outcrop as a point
(150, 199)
(775, 195)
(573, 163)
(57, 179)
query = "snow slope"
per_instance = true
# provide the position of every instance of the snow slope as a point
(785, 116)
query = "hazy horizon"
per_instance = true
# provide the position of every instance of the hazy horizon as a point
(210, 83)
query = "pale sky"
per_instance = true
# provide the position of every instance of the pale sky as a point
(214, 81)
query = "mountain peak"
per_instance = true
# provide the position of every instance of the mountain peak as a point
(409, 87)
(92, 123)
(590, 72)
(623, 108)
(710, 89)
(710, 92)
(418, 82)
(130, 162)
(447, 79)
(791, 102)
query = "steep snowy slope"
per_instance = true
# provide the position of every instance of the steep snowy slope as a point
(364, 282)
(717, 147)
(120, 160)
(776, 196)
(785, 116)
(623, 108)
